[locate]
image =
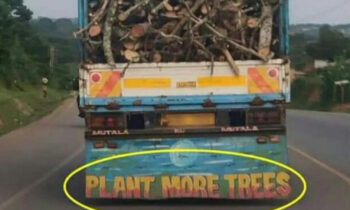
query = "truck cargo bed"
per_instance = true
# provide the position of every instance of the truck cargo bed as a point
(184, 79)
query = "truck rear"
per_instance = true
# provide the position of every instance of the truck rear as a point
(138, 106)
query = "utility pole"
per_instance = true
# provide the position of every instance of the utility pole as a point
(52, 58)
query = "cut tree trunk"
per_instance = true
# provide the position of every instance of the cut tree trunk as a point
(266, 31)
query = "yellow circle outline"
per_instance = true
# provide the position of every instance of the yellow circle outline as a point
(150, 152)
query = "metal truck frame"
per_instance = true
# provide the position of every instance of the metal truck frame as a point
(153, 106)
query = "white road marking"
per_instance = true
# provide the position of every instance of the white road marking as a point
(39, 181)
(338, 114)
(321, 164)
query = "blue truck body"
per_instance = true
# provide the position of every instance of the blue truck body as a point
(178, 175)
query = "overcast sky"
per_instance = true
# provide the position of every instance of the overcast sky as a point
(302, 11)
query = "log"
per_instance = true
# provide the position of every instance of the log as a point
(183, 21)
(266, 31)
(124, 15)
(180, 31)
(132, 55)
(159, 7)
(168, 7)
(99, 15)
(129, 45)
(252, 22)
(205, 9)
(157, 57)
(107, 35)
(231, 61)
(171, 15)
(138, 31)
(95, 30)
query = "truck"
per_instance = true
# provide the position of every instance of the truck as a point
(141, 106)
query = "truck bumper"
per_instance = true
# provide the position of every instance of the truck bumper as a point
(188, 175)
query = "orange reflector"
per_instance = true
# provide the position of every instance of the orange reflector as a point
(275, 139)
(112, 146)
(261, 140)
(188, 120)
(99, 145)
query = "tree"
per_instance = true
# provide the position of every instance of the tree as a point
(25, 44)
(14, 19)
(341, 71)
(298, 53)
(331, 43)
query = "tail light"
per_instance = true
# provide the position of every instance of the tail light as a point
(262, 140)
(102, 144)
(99, 145)
(261, 117)
(266, 139)
(116, 121)
(97, 122)
(111, 122)
(274, 139)
(111, 145)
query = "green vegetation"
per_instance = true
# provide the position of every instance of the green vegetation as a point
(330, 44)
(300, 58)
(317, 90)
(304, 90)
(330, 93)
(30, 50)
(18, 108)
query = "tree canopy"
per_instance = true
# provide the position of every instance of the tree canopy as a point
(331, 43)
(25, 46)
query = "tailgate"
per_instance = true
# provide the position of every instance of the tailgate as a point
(184, 79)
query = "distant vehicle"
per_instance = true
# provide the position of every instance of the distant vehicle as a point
(137, 106)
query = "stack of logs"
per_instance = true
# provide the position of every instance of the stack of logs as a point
(131, 31)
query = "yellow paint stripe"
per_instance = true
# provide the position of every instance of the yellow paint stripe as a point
(222, 81)
(184, 120)
(147, 83)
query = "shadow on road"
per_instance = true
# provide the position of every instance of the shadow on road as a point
(185, 202)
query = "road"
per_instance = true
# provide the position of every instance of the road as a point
(35, 159)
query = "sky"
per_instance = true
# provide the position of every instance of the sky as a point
(302, 11)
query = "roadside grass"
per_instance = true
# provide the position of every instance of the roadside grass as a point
(19, 108)
(302, 93)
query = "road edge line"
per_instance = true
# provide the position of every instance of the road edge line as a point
(334, 171)
(39, 181)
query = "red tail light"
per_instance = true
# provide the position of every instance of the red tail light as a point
(102, 122)
(112, 145)
(97, 122)
(111, 122)
(261, 117)
(99, 145)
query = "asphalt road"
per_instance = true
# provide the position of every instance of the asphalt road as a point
(35, 159)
